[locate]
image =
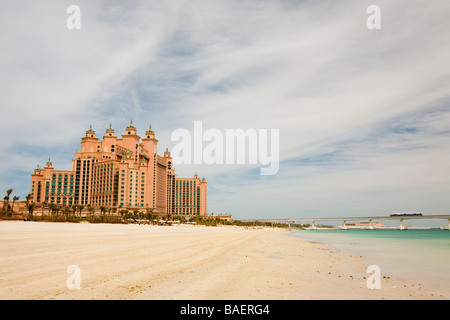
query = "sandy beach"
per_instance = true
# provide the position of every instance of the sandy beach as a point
(182, 262)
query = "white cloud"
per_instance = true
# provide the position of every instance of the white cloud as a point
(311, 69)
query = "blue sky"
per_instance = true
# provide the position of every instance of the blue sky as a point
(363, 115)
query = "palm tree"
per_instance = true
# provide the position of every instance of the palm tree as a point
(91, 209)
(75, 208)
(150, 215)
(80, 207)
(43, 205)
(103, 210)
(50, 210)
(135, 213)
(74, 211)
(182, 219)
(15, 198)
(28, 198)
(65, 211)
(123, 213)
(30, 210)
(56, 208)
(6, 198)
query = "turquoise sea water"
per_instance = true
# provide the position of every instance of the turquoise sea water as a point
(420, 255)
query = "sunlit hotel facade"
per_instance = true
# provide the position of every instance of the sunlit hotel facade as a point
(121, 172)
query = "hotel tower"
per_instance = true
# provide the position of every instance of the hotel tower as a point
(121, 172)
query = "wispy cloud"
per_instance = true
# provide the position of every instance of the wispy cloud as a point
(363, 114)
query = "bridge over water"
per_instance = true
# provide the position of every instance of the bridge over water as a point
(344, 220)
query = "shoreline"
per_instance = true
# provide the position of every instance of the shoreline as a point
(375, 228)
(182, 262)
(402, 254)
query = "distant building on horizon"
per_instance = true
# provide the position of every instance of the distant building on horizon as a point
(363, 224)
(121, 172)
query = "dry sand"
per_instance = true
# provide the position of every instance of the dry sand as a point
(181, 262)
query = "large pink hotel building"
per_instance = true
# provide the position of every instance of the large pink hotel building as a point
(122, 172)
